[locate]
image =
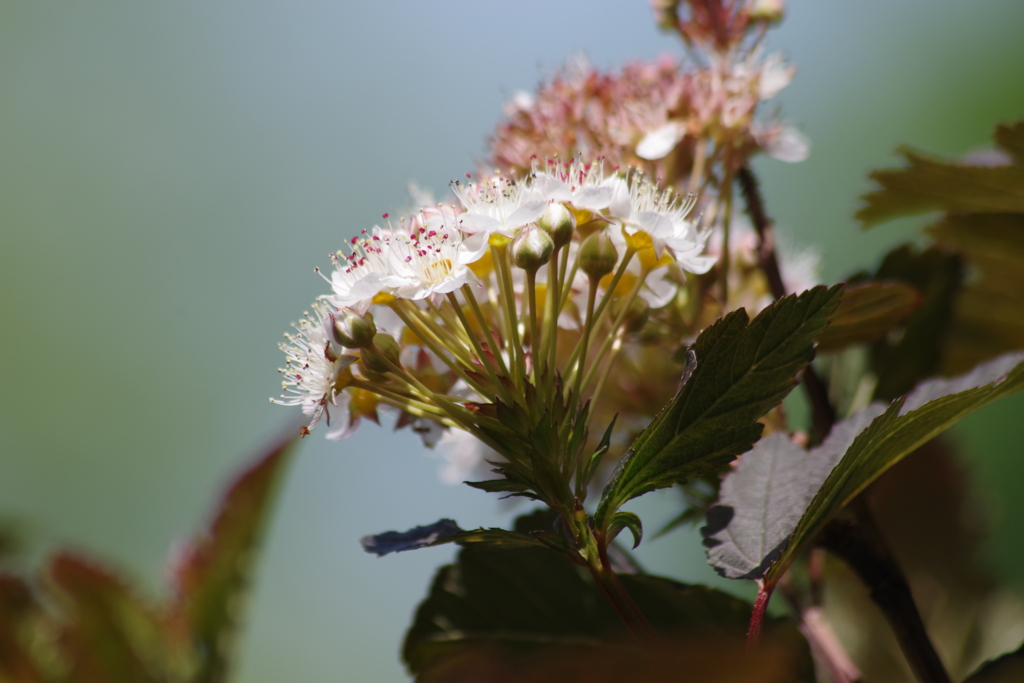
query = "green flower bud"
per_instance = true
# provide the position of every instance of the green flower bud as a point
(383, 347)
(636, 315)
(598, 255)
(353, 331)
(559, 222)
(532, 249)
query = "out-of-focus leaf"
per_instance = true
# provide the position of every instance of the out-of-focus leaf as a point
(744, 369)
(213, 573)
(917, 354)
(108, 634)
(1010, 138)
(930, 184)
(763, 499)
(1006, 669)
(906, 424)
(528, 601)
(987, 318)
(441, 532)
(18, 608)
(697, 660)
(867, 312)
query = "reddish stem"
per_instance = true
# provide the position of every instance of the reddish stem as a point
(764, 594)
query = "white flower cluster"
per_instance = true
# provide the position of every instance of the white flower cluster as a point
(459, 305)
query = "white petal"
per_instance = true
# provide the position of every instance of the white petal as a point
(775, 75)
(472, 248)
(478, 223)
(654, 224)
(527, 213)
(698, 264)
(660, 141)
(658, 291)
(551, 188)
(593, 197)
(790, 145)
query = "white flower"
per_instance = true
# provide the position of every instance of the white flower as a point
(574, 182)
(312, 366)
(499, 205)
(432, 258)
(361, 274)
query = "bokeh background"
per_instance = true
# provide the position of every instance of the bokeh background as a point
(170, 174)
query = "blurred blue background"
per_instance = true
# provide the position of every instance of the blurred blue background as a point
(170, 174)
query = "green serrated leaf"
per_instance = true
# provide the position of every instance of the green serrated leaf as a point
(908, 423)
(216, 567)
(743, 370)
(626, 520)
(931, 184)
(867, 312)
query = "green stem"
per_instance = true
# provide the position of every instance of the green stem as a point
(531, 290)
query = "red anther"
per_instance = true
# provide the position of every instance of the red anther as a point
(355, 239)
(468, 176)
(408, 259)
(384, 216)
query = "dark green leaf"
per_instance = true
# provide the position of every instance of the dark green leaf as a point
(527, 600)
(930, 184)
(762, 500)
(867, 312)
(498, 486)
(1006, 669)
(917, 354)
(743, 370)
(626, 520)
(441, 531)
(445, 531)
(908, 423)
(216, 567)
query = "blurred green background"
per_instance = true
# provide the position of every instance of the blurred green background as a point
(170, 174)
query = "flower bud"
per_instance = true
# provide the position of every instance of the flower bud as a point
(636, 315)
(597, 255)
(769, 11)
(532, 249)
(383, 347)
(353, 331)
(558, 222)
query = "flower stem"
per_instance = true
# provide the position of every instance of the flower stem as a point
(484, 324)
(627, 609)
(531, 290)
